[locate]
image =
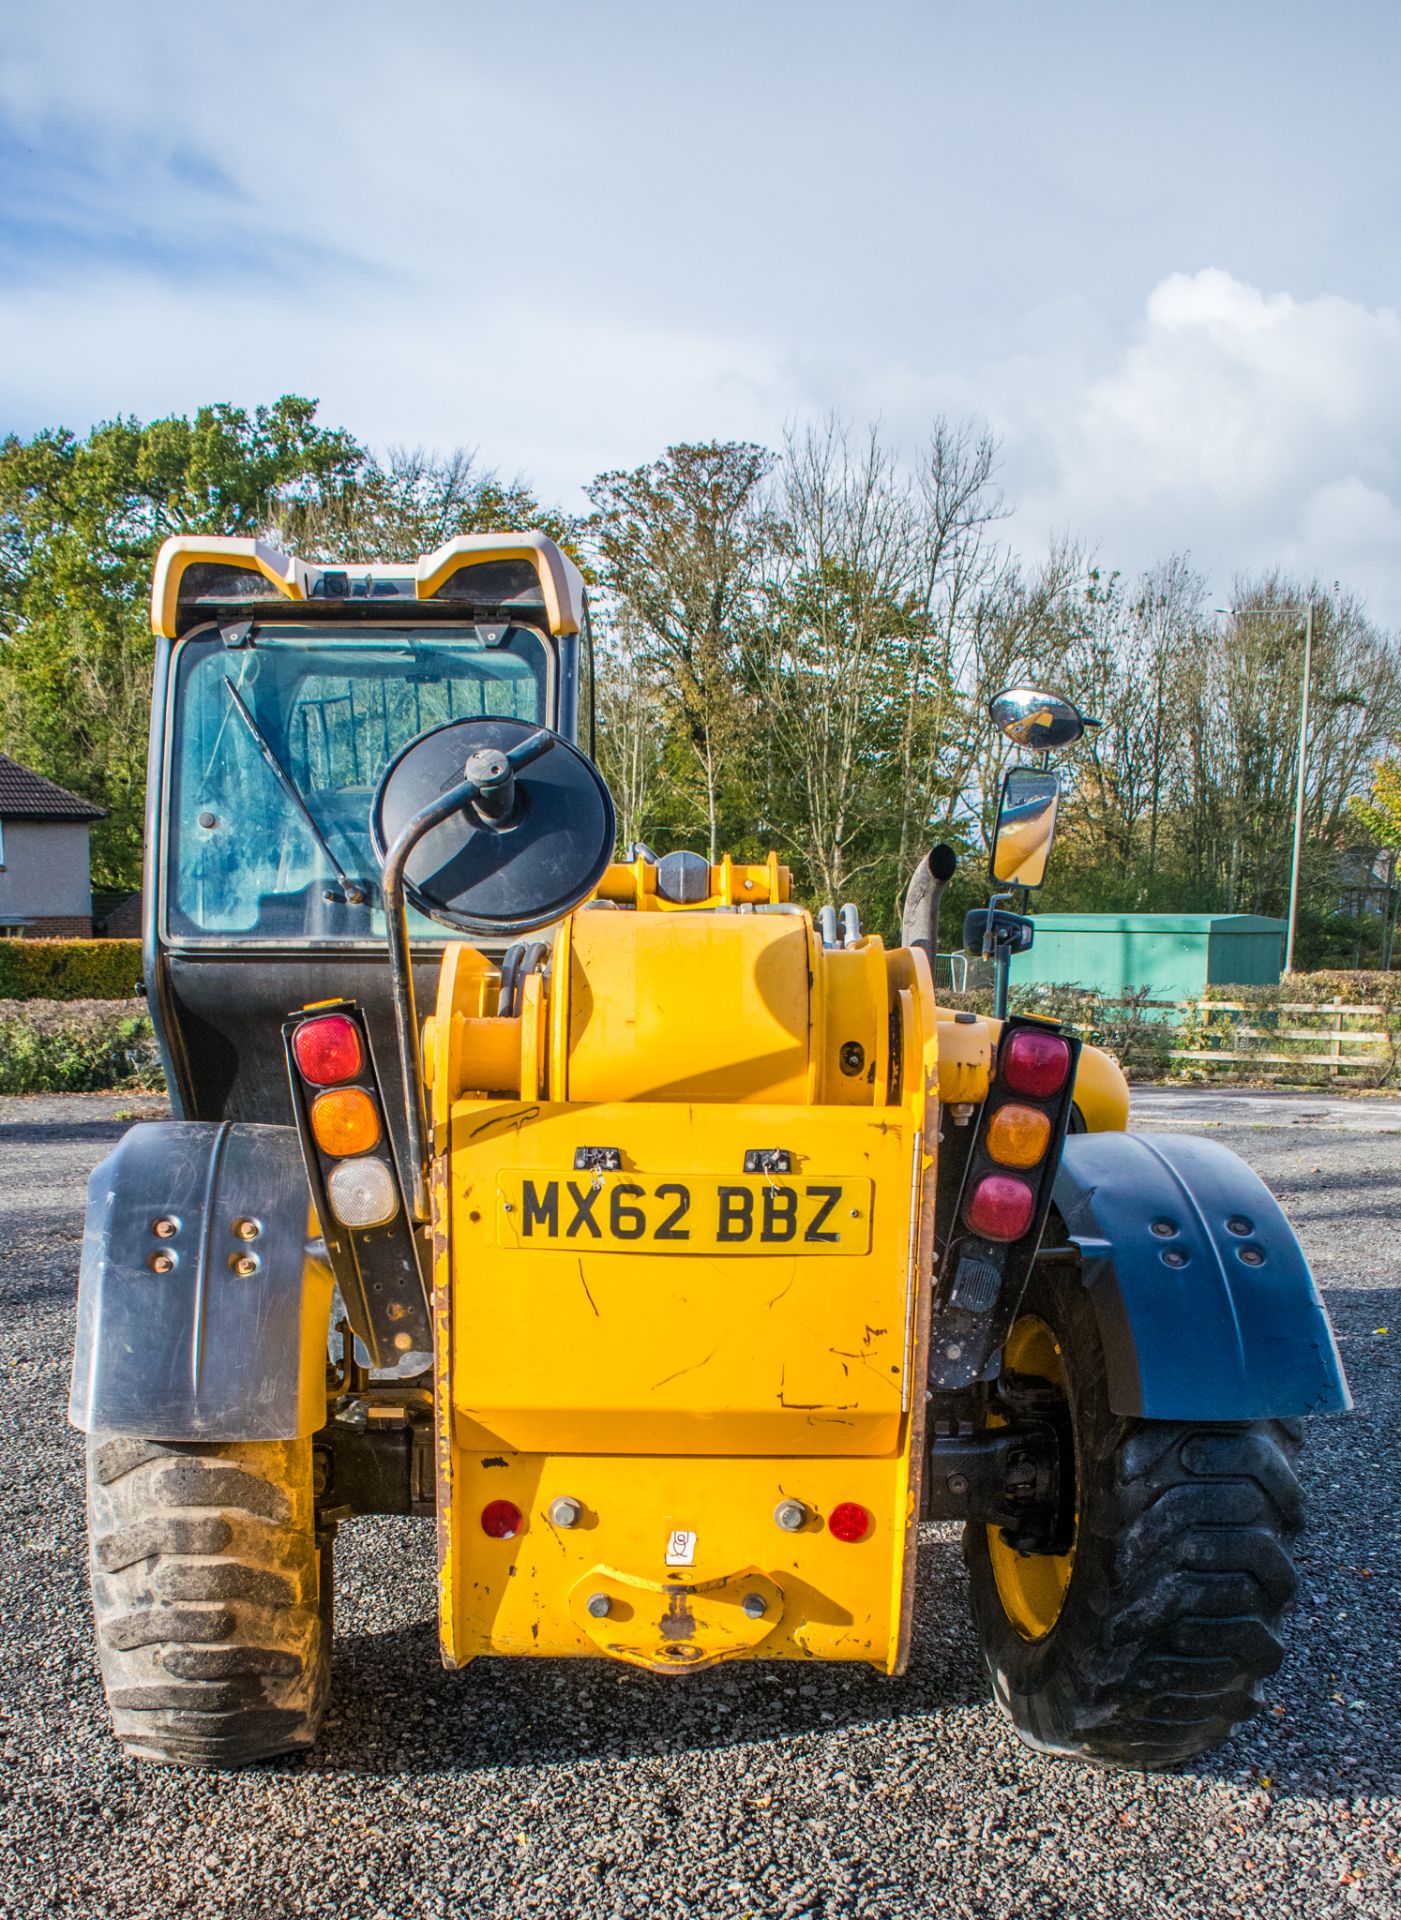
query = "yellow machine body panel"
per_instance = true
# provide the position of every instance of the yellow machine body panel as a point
(631, 1320)
(252, 570)
(640, 1315)
(1101, 1092)
(688, 1007)
(732, 883)
(779, 1325)
(641, 1519)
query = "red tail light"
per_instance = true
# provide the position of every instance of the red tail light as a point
(1000, 1207)
(501, 1519)
(1034, 1063)
(328, 1049)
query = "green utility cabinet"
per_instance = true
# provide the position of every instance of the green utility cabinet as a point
(1176, 956)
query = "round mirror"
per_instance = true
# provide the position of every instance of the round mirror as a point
(507, 877)
(1036, 720)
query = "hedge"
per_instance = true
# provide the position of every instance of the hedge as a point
(1356, 987)
(1123, 1027)
(69, 969)
(1143, 1038)
(1302, 1047)
(77, 1046)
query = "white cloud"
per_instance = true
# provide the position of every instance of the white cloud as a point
(1254, 429)
(552, 393)
(399, 226)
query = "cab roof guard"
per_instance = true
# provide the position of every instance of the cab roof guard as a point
(197, 573)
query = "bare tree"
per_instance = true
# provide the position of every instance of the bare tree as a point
(631, 729)
(678, 544)
(842, 608)
(958, 505)
(1018, 626)
(1241, 714)
(1127, 666)
(408, 502)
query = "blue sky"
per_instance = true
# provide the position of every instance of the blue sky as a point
(1153, 246)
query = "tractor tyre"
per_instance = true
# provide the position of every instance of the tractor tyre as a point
(1150, 1640)
(212, 1597)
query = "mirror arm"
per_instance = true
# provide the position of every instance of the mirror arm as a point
(1002, 978)
(396, 917)
(994, 900)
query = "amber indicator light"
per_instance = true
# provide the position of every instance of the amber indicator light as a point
(1018, 1136)
(345, 1120)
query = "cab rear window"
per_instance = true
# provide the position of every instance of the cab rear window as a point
(277, 747)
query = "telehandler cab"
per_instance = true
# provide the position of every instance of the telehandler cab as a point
(682, 1259)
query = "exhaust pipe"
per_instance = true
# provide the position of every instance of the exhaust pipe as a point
(919, 923)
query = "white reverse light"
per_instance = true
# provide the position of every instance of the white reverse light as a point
(362, 1193)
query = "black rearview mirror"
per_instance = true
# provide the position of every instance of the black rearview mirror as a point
(1026, 825)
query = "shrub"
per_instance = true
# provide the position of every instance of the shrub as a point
(69, 969)
(1356, 987)
(1280, 1024)
(77, 1046)
(1253, 1039)
(1125, 1028)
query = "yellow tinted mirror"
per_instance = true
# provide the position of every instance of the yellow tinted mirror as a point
(1026, 824)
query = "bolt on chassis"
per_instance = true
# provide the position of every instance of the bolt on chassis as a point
(678, 1263)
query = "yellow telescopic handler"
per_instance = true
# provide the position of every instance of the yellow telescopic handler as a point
(666, 1243)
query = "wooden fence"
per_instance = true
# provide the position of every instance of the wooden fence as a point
(1302, 1040)
(1328, 1042)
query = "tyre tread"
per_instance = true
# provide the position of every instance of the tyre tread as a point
(1184, 1576)
(212, 1640)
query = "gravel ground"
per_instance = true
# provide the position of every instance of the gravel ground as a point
(569, 1788)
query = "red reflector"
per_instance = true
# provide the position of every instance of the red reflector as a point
(1000, 1207)
(501, 1519)
(1034, 1062)
(328, 1049)
(849, 1521)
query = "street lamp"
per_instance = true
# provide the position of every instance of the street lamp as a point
(1236, 613)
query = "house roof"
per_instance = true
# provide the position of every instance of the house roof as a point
(29, 796)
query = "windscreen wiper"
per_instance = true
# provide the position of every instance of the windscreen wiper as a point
(352, 894)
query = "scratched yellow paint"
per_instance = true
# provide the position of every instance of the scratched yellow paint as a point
(575, 1345)
(528, 1595)
(687, 1392)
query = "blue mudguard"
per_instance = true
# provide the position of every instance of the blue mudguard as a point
(1206, 1306)
(202, 1309)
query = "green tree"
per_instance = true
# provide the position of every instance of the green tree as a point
(80, 523)
(1380, 813)
(406, 502)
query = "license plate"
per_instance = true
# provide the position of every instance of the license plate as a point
(632, 1213)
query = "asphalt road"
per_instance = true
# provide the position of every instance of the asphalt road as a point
(569, 1788)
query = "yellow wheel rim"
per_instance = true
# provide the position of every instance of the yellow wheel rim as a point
(1031, 1586)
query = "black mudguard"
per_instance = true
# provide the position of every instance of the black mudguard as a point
(201, 1351)
(1206, 1306)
